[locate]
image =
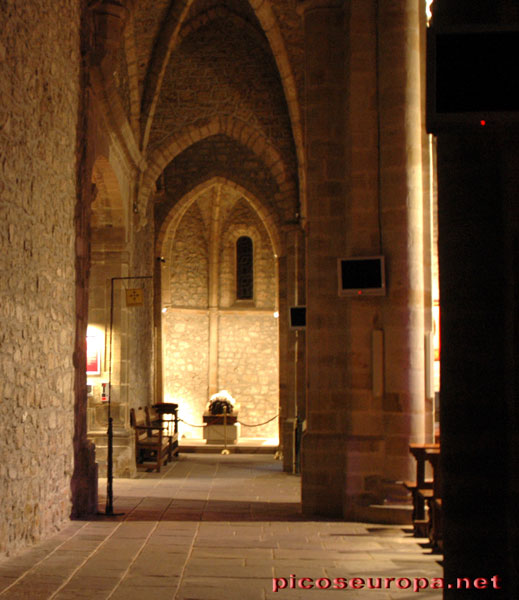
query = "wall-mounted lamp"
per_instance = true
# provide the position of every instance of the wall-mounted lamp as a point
(161, 259)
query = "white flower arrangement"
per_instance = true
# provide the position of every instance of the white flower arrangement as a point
(223, 395)
(220, 400)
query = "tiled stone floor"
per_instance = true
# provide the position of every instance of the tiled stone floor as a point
(212, 527)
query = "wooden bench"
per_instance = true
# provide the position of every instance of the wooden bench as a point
(434, 500)
(155, 417)
(437, 524)
(426, 491)
(420, 521)
(151, 444)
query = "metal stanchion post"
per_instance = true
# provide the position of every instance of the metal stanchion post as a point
(109, 511)
(225, 451)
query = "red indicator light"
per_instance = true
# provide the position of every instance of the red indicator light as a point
(482, 122)
(359, 292)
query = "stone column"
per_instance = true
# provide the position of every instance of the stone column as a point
(291, 344)
(478, 187)
(323, 469)
(285, 360)
(157, 330)
(104, 25)
(109, 260)
(83, 484)
(401, 201)
(109, 20)
(214, 263)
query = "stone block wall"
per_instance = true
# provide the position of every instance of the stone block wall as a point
(186, 344)
(248, 369)
(38, 120)
(141, 324)
(189, 265)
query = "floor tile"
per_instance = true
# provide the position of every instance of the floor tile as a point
(213, 527)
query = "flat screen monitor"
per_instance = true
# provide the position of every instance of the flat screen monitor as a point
(361, 276)
(297, 317)
(471, 77)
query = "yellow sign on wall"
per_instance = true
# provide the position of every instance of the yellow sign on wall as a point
(135, 297)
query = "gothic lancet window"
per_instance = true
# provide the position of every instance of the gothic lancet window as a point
(244, 269)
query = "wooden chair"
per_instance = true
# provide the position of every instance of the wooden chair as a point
(155, 418)
(150, 442)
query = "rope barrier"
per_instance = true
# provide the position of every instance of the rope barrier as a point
(190, 425)
(259, 424)
(240, 422)
(224, 436)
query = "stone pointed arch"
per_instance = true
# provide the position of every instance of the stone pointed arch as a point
(108, 209)
(221, 12)
(166, 41)
(267, 217)
(169, 37)
(248, 136)
(133, 76)
(109, 21)
(266, 17)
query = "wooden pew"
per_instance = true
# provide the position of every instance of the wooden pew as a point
(423, 490)
(434, 500)
(437, 535)
(150, 442)
(155, 418)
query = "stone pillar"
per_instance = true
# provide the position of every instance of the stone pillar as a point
(474, 339)
(291, 345)
(109, 18)
(214, 267)
(108, 261)
(157, 330)
(285, 361)
(365, 197)
(323, 469)
(83, 484)
(401, 201)
(478, 187)
(104, 25)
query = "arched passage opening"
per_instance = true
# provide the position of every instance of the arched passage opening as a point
(111, 330)
(214, 338)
